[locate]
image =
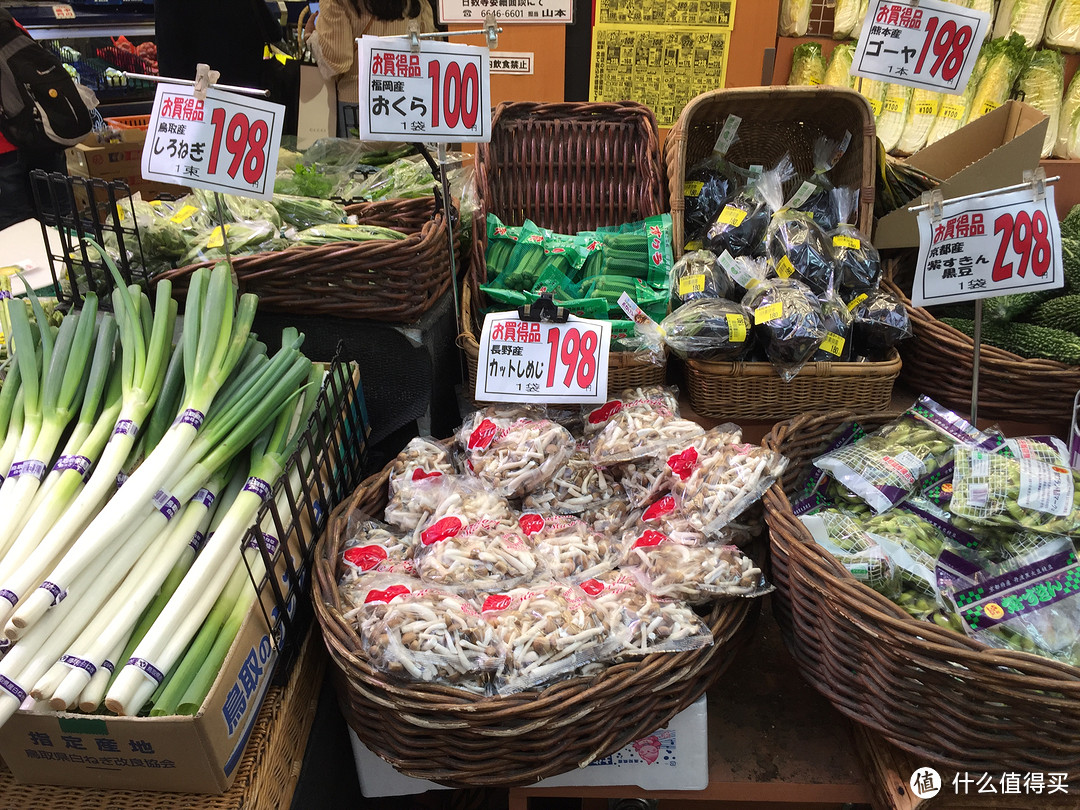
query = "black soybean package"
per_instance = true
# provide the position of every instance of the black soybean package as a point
(858, 263)
(814, 196)
(879, 322)
(709, 182)
(740, 226)
(836, 345)
(709, 329)
(696, 275)
(742, 273)
(788, 323)
(796, 247)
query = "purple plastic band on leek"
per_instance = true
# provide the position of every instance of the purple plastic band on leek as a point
(258, 486)
(80, 464)
(125, 427)
(190, 417)
(11, 597)
(79, 663)
(205, 497)
(197, 541)
(271, 543)
(149, 669)
(167, 504)
(13, 688)
(57, 592)
(109, 665)
(16, 470)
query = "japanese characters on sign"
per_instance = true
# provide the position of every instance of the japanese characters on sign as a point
(520, 11)
(514, 63)
(987, 246)
(441, 94)
(227, 143)
(920, 43)
(528, 361)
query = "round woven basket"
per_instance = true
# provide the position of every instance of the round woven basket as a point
(459, 739)
(940, 360)
(935, 693)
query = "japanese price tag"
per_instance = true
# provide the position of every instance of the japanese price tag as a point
(227, 143)
(441, 94)
(920, 43)
(527, 361)
(988, 246)
(519, 11)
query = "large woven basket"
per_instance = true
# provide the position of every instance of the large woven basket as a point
(569, 167)
(740, 390)
(775, 121)
(381, 280)
(935, 693)
(939, 361)
(460, 739)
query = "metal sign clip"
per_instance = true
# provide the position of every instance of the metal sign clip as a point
(414, 35)
(543, 310)
(1037, 178)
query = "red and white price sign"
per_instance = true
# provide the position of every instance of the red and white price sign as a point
(441, 94)
(228, 142)
(529, 361)
(988, 246)
(920, 43)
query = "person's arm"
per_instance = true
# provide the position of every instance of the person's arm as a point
(333, 43)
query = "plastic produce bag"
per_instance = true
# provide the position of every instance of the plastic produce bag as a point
(635, 433)
(643, 623)
(922, 112)
(709, 329)
(1024, 17)
(568, 547)
(696, 275)
(836, 345)
(879, 322)
(894, 111)
(344, 232)
(372, 546)
(814, 196)
(883, 467)
(797, 248)
(840, 535)
(237, 209)
(696, 574)
(430, 499)
(434, 636)
(486, 554)
(511, 453)
(740, 226)
(788, 323)
(707, 184)
(548, 631)
(1063, 26)
(858, 262)
(367, 597)
(421, 458)
(650, 398)
(807, 61)
(244, 238)
(304, 212)
(742, 272)
(576, 487)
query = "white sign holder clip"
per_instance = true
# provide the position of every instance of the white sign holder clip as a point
(1037, 178)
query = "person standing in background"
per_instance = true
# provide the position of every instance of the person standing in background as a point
(338, 24)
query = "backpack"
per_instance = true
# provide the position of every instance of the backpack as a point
(40, 106)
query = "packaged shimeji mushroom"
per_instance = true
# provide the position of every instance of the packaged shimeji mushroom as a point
(421, 458)
(647, 398)
(373, 546)
(484, 555)
(568, 547)
(576, 487)
(429, 500)
(639, 429)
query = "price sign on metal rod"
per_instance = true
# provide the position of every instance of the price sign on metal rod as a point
(440, 92)
(227, 142)
(920, 43)
(543, 362)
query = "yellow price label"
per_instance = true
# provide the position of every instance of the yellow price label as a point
(732, 216)
(894, 104)
(856, 301)
(833, 344)
(692, 188)
(989, 107)
(736, 327)
(120, 215)
(769, 312)
(692, 284)
(784, 268)
(184, 214)
(847, 242)
(926, 108)
(217, 237)
(812, 81)
(875, 105)
(952, 111)
(695, 245)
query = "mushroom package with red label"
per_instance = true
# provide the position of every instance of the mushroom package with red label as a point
(485, 554)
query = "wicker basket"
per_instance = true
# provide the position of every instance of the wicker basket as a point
(775, 121)
(739, 390)
(939, 362)
(569, 167)
(935, 693)
(460, 739)
(381, 280)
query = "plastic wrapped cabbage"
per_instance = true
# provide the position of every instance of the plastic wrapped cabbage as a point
(795, 18)
(1006, 60)
(1063, 26)
(848, 18)
(709, 329)
(807, 64)
(838, 71)
(922, 112)
(1024, 17)
(894, 109)
(874, 92)
(1042, 83)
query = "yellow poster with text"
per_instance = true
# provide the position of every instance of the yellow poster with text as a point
(710, 13)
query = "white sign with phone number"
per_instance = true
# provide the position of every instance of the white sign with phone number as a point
(441, 94)
(529, 361)
(988, 246)
(228, 143)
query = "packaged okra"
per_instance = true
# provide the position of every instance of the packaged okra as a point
(883, 467)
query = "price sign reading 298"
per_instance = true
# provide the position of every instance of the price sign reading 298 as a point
(920, 43)
(442, 93)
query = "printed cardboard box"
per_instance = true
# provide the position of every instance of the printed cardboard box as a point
(991, 152)
(197, 754)
(118, 158)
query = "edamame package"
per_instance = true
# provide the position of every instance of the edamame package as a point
(740, 226)
(858, 263)
(696, 275)
(883, 467)
(796, 247)
(709, 329)
(788, 323)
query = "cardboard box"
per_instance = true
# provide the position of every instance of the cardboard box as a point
(197, 754)
(989, 153)
(119, 158)
(674, 758)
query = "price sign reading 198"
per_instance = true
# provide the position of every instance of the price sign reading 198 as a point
(922, 43)
(441, 93)
(530, 361)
